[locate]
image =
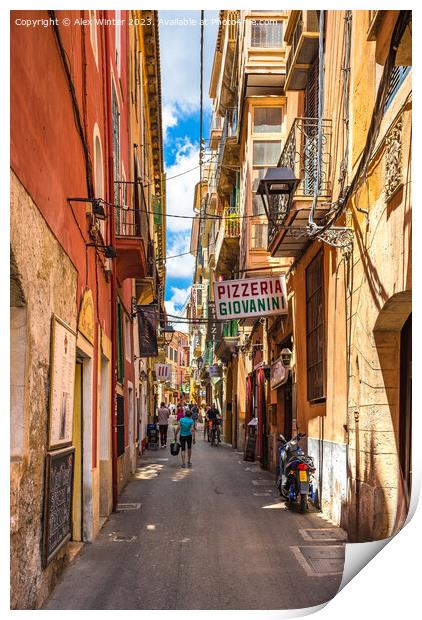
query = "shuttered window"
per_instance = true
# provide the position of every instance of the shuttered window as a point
(120, 425)
(311, 91)
(119, 342)
(398, 75)
(315, 328)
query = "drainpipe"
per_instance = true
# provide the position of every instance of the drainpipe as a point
(113, 272)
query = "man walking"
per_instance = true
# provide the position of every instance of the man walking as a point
(163, 422)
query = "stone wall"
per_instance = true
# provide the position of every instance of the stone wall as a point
(48, 282)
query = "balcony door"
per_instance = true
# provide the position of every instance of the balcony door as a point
(310, 130)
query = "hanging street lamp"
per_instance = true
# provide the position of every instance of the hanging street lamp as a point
(275, 183)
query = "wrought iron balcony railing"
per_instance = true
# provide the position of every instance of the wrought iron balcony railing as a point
(130, 222)
(300, 153)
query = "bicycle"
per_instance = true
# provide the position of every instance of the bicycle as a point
(215, 435)
(207, 430)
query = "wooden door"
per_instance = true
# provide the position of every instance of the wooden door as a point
(77, 443)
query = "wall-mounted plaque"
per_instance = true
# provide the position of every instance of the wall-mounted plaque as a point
(57, 502)
(62, 383)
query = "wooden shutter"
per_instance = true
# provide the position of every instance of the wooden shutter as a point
(315, 329)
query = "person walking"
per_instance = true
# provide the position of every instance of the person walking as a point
(180, 411)
(195, 414)
(163, 421)
(187, 431)
(173, 425)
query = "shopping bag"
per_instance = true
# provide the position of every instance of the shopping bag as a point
(174, 448)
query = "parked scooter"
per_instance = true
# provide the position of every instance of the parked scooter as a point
(296, 475)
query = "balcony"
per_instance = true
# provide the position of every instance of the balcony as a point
(227, 243)
(227, 91)
(265, 62)
(146, 288)
(300, 153)
(302, 35)
(216, 128)
(228, 153)
(228, 340)
(131, 231)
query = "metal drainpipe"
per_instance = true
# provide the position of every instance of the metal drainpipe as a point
(113, 278)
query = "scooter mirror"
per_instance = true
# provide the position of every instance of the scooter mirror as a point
(281, 437)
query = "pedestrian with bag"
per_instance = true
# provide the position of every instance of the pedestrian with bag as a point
(187, 432)
(163, 421)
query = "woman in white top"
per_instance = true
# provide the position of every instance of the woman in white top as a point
(173, 425)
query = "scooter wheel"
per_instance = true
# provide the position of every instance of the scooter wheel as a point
(303, 503)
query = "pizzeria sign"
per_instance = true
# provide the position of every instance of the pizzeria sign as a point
(250, 297)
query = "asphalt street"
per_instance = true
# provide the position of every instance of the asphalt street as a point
(216, 536)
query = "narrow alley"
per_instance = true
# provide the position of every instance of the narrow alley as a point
(215, 536)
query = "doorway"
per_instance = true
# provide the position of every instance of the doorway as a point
(77, 518)
(405, 421)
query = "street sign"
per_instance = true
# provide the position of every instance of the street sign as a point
(279, 374)
(162, 372)
(250, 297)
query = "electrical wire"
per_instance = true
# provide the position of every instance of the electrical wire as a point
(208, 216)
(376, 119)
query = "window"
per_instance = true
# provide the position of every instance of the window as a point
(116, 146)
(397, 78)
(266, 33)
(120, 347)
(128, 347)
(93, 34)
(266, 153)
(315, 338)
(120, 425)
(118, 40)
(259, 237)
(257, 204)
(267, 120)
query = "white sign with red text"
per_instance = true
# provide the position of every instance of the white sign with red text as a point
(239, 299)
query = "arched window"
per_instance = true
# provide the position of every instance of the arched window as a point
(98, 164)
(93, 34)
(98, 170)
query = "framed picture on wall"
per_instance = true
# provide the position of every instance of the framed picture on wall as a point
(62, 383)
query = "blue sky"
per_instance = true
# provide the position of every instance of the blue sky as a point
(180, 77)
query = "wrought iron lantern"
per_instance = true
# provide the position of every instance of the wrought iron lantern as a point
(286, 357)
(167, 332)
(276, 182)
(199, 362)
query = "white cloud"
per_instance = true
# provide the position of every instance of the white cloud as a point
(182, 266)
(179, 295)
(169, 118)
(180, 58)
(180, 190)
(175, 304)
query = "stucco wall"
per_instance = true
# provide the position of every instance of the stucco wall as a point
(330, 460)
(48, 280)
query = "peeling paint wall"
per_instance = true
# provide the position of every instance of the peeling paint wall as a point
(48, 281)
